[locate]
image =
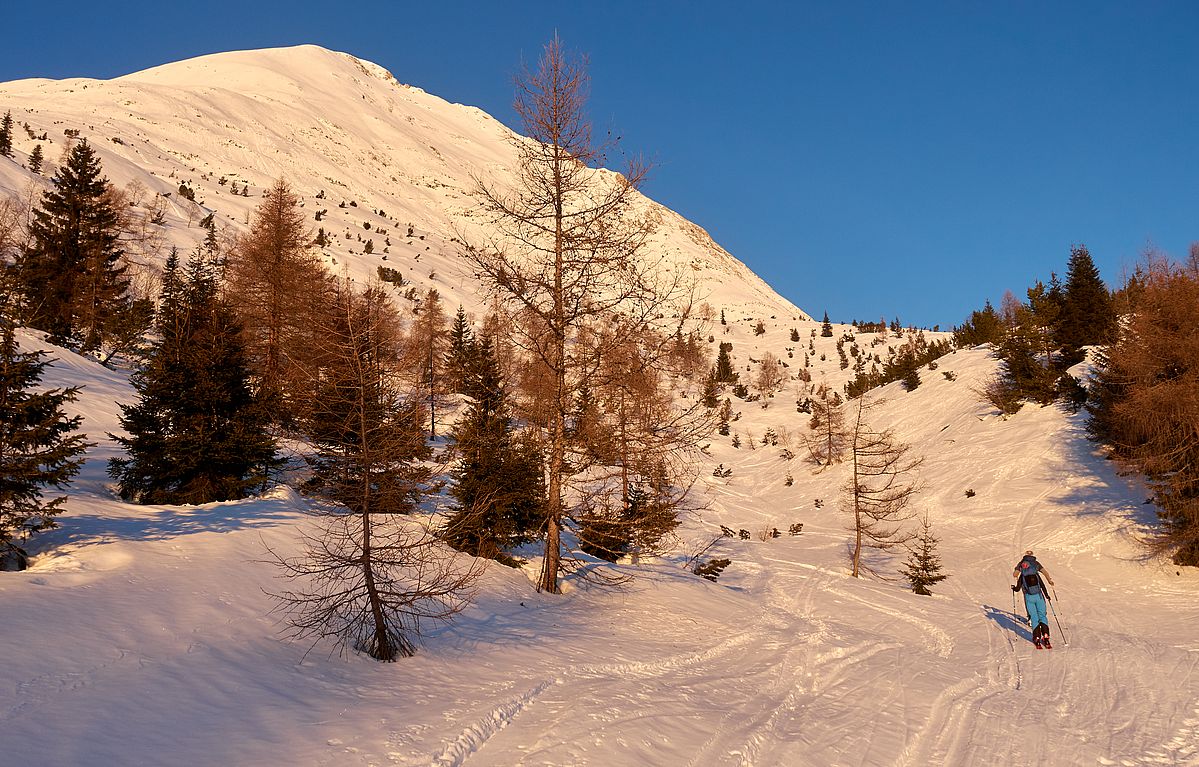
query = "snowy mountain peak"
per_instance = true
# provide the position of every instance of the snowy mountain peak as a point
(373, 158)
(263, 71)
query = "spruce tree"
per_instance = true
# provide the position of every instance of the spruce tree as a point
(826, 328)
(923, 567)
(367, 430)
(710, 396)
(1044, 311)
(37, 448)
(585, 426)
(429, 332)
(459, 357)
(983, 327)
(197, 432)
(1024, 374)
(6, 135)
(909, 372)
(1087, 315)
(724, 365)
(498, 485)
(74, 285)
(723, 416)
(35, 159)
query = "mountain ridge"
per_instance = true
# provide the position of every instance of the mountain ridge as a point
(332, 124)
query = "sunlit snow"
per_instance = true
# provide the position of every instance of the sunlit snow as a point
(143, 634)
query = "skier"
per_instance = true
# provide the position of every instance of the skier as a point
(1028, 574)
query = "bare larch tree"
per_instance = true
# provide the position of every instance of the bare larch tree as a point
(571, 250)
(643, 437)
(278, 284)
(879, 489)
(829, 437)
(372, 574)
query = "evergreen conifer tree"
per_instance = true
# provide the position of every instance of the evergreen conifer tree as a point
(367, 430)
(1024, 375)
(459, 357)
(723, 416)
(35, 159)
(197, 432)
(711, 390)
(983, 327)
(724, 365)
(923, 566)
(826, 328)
(429, 333)
(74, 285)
(1043, 313)
(1087, 315)
(910, 374)
(6, 135)
(37, 448)
(498, 483)
(586, 428)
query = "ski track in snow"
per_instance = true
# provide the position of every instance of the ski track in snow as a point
(475, 736)
(941, 642)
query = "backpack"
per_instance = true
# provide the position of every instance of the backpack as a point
(1030, 579)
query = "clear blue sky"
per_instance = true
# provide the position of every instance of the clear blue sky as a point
(868, 159)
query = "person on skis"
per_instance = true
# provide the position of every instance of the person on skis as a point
(1028, 574)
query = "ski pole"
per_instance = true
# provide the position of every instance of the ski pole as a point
(1060, 630)
(1053, 591)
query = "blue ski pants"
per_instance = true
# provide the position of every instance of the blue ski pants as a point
(1035, 605)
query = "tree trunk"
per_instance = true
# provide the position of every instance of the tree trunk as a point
(383, 649)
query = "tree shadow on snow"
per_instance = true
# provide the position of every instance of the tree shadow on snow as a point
(165, 522)
(1105, 491)
(1008, 621)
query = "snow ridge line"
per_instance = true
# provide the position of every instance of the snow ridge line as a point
(476, 735)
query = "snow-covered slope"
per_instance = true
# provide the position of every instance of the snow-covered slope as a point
(142, 635)
(385, 155)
